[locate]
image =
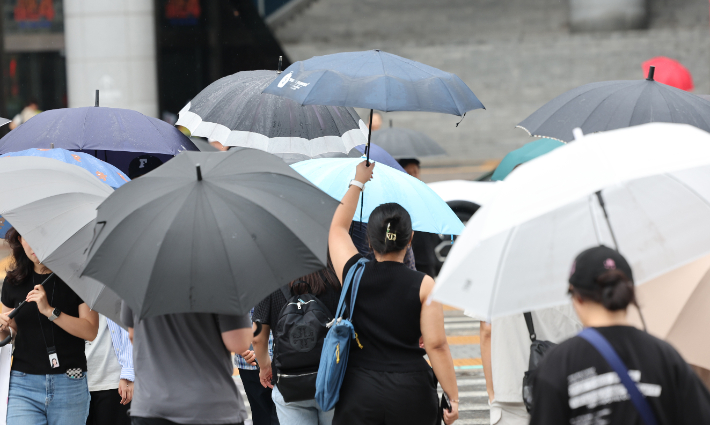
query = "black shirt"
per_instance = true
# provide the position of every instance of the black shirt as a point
(30, 355)
(575, 385)
(424, 246)
(386, 318)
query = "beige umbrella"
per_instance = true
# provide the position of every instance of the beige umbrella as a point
(675, 306)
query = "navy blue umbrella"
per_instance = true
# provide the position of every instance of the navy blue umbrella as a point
(374, 80)
(97, 129)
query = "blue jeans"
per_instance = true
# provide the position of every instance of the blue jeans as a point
(47, 400)
(305, 412)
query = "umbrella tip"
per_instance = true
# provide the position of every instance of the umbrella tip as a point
(96, 100)
(278, 71)
(651, 71)
(577, 133)
(199, 172)
(390, 123)
(51, 145)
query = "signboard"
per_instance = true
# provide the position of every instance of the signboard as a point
(33, 16)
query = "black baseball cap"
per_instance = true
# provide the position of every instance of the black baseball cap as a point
(143, 164)
(594, 262)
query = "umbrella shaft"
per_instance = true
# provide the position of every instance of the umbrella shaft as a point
(369, 136)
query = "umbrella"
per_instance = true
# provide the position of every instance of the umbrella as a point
(377, 154)
(374, 80)
(209, 232)
(105, 172)
(670, 72)
(51, 204)
(233, 111)
(524, 154)
(96, 129)
(644, 190)
(428, 211)
(611, 105)
(675, 308)
(406, 143)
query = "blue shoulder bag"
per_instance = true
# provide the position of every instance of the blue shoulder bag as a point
(336, 347)
(607, 351)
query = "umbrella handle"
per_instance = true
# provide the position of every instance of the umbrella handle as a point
(369, 136)
(14, 312)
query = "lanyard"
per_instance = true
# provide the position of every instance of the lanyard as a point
(52, 349)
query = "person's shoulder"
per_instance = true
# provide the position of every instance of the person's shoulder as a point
(351, 262)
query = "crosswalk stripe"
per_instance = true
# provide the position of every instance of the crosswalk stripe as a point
(473, 407)
(455, 326)
(470, 382)
(474, 421)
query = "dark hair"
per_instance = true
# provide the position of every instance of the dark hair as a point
(316, 283)
(389, 228)
(615, 291)
(21, 265)
(407, 161)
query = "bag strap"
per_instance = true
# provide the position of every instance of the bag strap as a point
(607, 351)
(531, 327)
(356, 286)
(346, 285)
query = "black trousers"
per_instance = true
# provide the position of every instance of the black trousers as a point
(105, 408)
(386, 398)
(160, 421)
(263, 410)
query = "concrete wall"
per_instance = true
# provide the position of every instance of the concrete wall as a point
(514, 54)
(110, 46)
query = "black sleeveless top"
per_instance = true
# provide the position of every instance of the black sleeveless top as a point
(386, 318)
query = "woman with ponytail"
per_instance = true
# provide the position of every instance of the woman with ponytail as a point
(388, 381)
(574, 384)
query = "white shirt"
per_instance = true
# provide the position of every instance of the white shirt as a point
(104, 370)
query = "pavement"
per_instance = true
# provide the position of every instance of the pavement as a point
(463, 336)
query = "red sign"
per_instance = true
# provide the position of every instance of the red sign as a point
(34, 10)
(183, 9)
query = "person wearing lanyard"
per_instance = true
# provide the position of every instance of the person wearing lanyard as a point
(48, 376)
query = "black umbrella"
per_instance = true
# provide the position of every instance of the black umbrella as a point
(209, 232)
(233, 111)
(610, 105)
(406, 143)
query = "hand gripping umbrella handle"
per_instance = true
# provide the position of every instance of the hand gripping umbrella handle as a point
(14, 312)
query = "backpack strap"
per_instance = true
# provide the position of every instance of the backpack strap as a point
(346, 285)
(531, 327)
(598, 341)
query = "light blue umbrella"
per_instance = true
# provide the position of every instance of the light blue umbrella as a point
(104, 171)
(428, 211)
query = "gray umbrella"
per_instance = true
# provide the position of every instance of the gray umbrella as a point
(209, 232)
(406, 143)
(610, 105)
(233, 111)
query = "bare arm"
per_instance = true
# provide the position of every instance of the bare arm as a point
(437, 348)
(130, 334)
(86, 326)
(485, 342)
(5, 321)
(237, 340)
(340, 244)
(261, 349)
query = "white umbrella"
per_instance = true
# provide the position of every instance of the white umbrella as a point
(517, 250)
(53, 205)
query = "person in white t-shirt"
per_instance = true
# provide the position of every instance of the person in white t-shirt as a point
(508, 349)
(110, 375)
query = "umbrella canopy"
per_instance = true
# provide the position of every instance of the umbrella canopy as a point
(611, 105)
(406, 143)
(234, 111)
(105, 172)
(52, 205)
(428, 211)
(374, 80)
(209, 232)
(517, 250)
(674, 306)
(96, 128)
(378, 154)
(524, 154)
(669, 71)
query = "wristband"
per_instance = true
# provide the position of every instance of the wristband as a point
(354, 182)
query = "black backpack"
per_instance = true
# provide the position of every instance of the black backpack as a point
(298, 342)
